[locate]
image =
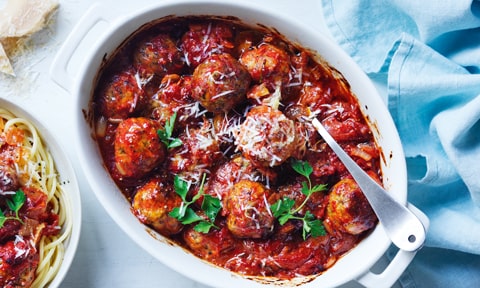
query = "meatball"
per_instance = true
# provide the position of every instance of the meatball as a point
(225, 126)
(158, 55)
(315, 96)
(315, 204)
(345, 122)
(266, 137)
(267, 63)
(122, 96)
(203, 40)
(36, 205)
(174, 96)
(18, 269)
(209, 246)
(137, 147)
(348, 209)
(229, 173)
(152, 203)
(249, 214)
(8, 178)
(198, 152)
(226, 176)
(220, 83)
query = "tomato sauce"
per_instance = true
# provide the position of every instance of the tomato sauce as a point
(231, 107)
(26, 215)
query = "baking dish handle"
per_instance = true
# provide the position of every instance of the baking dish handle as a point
(59, 70)
(399, 263)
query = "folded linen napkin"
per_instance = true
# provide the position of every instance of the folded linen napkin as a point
(427, 53)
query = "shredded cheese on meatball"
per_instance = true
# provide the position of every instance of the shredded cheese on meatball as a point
(252, 139)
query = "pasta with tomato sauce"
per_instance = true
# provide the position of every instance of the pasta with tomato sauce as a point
(203, 123)
(34, 218)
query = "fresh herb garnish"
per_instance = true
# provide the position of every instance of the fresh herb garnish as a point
(283, 209)
(17, 201)
(186, 215)
(165, 135)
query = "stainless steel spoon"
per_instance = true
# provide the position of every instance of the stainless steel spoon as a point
(404, 229)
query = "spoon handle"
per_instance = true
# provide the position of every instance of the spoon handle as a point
(404, 229)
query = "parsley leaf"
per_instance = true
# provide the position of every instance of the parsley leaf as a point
(203, 227)
(15, 204)
(190, 216)
(303, 168)
(186, 215)
(211, 206)
(312, 225)
(166, 134)
(2, 218)
(181, 187)
(284, 210)
(281, 209)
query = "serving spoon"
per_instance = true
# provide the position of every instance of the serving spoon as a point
(402, 226)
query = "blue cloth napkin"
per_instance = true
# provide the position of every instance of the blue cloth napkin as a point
(427, 54)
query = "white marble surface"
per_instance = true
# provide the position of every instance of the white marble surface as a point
(106, 256)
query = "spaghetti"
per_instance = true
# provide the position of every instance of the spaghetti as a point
(31, 246)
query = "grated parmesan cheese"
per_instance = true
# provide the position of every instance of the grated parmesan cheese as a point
(263, 143)
(19, 250)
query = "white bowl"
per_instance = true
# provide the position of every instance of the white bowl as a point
(354, 265)
(68, 180)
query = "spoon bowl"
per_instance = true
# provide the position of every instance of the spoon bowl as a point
(405, 230)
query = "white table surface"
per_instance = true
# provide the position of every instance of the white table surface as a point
(106, 256)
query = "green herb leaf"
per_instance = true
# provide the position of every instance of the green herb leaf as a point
(17, 201)
(315, 226)
(175, 142)
(2, 218)
(284, 210)
(284, 218)
(163, 136)
(177, 213)
(282, 207)
(15, 204)
(181, 187)
(166, 134)
(170, 123)
(200, 192)
(211, 206)
(203, 227)
(319, 188)
(305, 189)
(186, 215)
(302, 167)
(190, 217)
